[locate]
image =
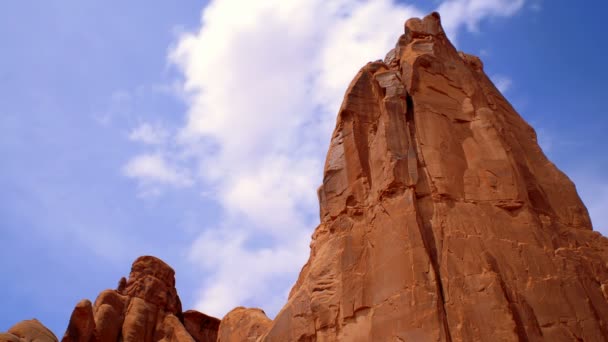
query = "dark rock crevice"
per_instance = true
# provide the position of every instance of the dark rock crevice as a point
(424, 219)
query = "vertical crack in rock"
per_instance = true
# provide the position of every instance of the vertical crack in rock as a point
(441, 220)
(424, 222)
(429, 169)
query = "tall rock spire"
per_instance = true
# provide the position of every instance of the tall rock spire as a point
(441, 218)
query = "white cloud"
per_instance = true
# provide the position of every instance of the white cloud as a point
(470, 13)
(245, 271)
(151, 134)
(264, 85)
(502, 83)
(263, 81)
(152, 169)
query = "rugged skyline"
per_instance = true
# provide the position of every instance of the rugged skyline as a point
(102, 164)
(441, 219)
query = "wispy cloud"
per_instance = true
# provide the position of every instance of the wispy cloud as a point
(119, 105)
(270, 113)
(152, 170)
(545, 139)
(502, 82)
(151, 134)
(263, 82)
(470, 13)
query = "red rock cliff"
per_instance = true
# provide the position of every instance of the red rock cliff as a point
(144, 308)
(441, 218)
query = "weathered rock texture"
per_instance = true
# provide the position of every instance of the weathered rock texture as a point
(441, 218)
(201, 326)
(243, 325)
(144, 308)
(28, 331)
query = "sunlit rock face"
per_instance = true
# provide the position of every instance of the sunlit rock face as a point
(441, 218)
(144, 308)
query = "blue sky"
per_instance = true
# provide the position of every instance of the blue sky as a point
(137, 127)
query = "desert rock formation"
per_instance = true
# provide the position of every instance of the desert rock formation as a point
(202, 327)
(243, 325)
(144, 308)
(28, 331)
(441, 218)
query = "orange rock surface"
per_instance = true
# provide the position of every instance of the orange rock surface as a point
(202, 327)
(144, 308)
(28, 331)
(441, 218)
(243, 325)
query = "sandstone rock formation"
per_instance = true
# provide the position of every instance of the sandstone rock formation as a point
(243, 325)
(144, 308)
(441, 218)
(202, 327)
(28, 331)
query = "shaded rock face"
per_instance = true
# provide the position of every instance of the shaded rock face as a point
(144, 308)
(243, 325)
(201, 326)
(441, 218)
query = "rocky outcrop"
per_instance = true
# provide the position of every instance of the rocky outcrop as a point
(441, 218)
(243, 325)
(201, 326)
(144, 308)
(82, 323)
(28, 331)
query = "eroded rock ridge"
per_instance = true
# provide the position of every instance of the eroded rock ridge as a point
(441, 220)
(144, 308)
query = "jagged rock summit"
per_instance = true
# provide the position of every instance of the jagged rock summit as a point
(143, 308)
(441, 220)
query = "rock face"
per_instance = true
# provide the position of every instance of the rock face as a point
(201, 326)
(28, 331)
(243, 325)
(144, 308)
(441, 218)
